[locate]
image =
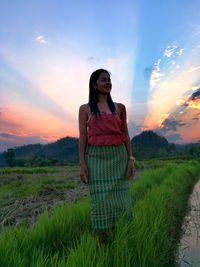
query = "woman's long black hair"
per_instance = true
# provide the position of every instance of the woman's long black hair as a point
(93, 94)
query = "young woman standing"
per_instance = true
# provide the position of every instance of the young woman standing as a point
(106, 159)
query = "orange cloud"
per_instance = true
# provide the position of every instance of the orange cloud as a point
(184, 122)
(25, 122)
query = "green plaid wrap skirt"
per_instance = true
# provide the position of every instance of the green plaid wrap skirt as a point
(109, 186)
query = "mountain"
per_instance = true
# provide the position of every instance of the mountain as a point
(61, 152)
(148, 144)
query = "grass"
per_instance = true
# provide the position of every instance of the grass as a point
(64, 238)
(33, 185)
(159, 162)
(152, 238)
(50, 234)
(34, 170)
(150, 179)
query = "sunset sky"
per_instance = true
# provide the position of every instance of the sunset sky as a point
(48, 49)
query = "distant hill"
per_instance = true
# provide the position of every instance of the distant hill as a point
(146, 145)
(61, 152)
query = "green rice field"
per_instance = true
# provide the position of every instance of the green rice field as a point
(60, 234)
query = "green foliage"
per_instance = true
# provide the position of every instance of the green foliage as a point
(10, 156)
(64, 238)
(61, 152)
(30, 170)
(52, 234)
(160, 162)
(147, 145)
(70, 185)
(32, 181)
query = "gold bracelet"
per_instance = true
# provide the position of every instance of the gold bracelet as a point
(132, 158)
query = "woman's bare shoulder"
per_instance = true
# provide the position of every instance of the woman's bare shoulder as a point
(83, 108)
(121, 107)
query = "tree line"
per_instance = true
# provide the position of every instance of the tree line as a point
(146, 145)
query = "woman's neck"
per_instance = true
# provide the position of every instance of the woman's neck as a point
(103, 106)
(102, 98)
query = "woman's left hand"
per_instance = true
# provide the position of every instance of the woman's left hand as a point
(131, 169)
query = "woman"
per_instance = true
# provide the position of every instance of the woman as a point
(106, 160)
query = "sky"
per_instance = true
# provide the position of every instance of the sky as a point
(48, 50)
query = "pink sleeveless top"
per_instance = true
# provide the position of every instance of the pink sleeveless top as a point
(105, 130)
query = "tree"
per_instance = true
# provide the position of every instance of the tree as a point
(198, 150)
(10, 157)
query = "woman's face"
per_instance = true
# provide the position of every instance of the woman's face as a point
(103, 84)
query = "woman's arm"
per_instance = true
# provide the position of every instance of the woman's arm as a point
(83, 116)
(127, 141)
(125, 133)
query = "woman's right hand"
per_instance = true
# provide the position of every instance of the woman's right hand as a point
(84, 173)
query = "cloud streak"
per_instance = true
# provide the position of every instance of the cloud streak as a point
(168, 84)
(170, 50)
(184, 121)
(11, 141)
(172, 83)
(40, 39)
(50, 86)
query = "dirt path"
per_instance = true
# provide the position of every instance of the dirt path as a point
(189, 251)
